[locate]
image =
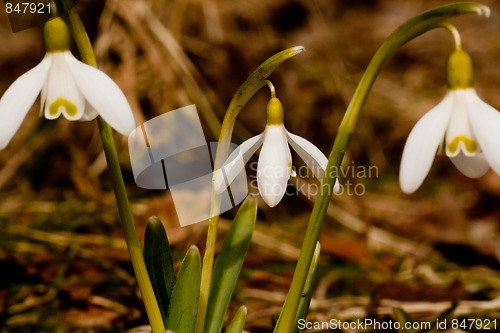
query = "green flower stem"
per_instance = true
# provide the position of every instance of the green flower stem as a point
(108, 143)
(133, 244)
(456, 35)
(207, 267)
(403, 34)
(252, 84)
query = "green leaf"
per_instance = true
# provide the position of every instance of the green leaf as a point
(181, 317)
(305, 300)
(158, 260)
(228, 264)
(238, 323)
(402, 317)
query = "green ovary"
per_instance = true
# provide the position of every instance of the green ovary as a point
(56, 35)
(460, 73)
(71, 109)
(470, 145)
(274, 112)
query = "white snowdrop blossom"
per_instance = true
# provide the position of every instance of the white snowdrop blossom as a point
(66, 86)
(274, 166)
(466, 127)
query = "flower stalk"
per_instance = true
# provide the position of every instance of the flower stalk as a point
(454, 32)
(108, 143)
(403, 34)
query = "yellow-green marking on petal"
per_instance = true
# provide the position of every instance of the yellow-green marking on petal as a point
(70, 108)
(470, 145)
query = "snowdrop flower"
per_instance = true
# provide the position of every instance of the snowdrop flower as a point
(275, 161)
(67, 86)
(466, 127)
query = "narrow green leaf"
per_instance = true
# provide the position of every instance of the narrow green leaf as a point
(402, 317)
(159, 263)
(238, 323)
(181, 317)
(305, 300)
(443, 316)
(228, 264)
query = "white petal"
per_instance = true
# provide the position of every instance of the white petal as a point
(90, 113)
(43, 95)
(422, 144)
(309, 153)
(274, 167)
(314, 158)
(235, 163)
(60, 94)
(103, 94)
(18, 99)
(459, 135)
(485, 122)
(471, 166)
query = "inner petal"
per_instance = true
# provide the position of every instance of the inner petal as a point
(62, 105)
(60, 94)
(464, 144)
(471, 166)
(459, 134)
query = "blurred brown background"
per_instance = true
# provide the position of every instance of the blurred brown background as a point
(63, 262)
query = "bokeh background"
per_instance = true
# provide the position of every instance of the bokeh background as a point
(64, 266)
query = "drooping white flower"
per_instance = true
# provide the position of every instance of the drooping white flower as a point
(468, 127)
(275, 162)
(67, 86)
